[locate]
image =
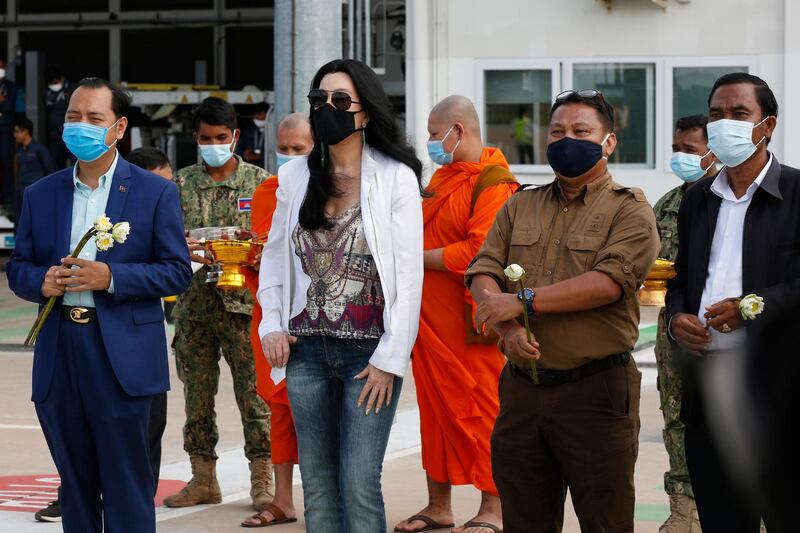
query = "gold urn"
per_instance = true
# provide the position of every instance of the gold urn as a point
(230, 256)
(654, 290)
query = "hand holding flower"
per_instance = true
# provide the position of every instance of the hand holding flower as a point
(88, 276)
(724, 313)
(516, 347)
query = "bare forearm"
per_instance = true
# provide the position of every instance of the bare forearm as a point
(587, 291)
(434, 259)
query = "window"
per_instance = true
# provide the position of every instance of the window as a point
(513, 101)
(691, 87)
(243, 44)
(176, 50)
(630, 89)
(160, 5)
(60, 6)
(517, 105)
(51, 44)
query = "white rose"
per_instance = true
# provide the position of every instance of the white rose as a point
(120, 231)
(103, 241)
(751, 306)
(103, 223)
(514, 272)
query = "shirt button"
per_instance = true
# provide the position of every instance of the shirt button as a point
(627, 268)
(556, 242)
(566, 209)
(548, 273)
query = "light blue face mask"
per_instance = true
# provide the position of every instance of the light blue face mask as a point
(688, 167)
(281, 159)
(436, 150)
(732, 140)
(216, 155)
(86, 141)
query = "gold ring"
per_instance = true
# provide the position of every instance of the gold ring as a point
(725, 328)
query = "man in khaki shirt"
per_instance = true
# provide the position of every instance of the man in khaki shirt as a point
(586, 244)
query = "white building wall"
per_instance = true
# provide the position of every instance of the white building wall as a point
(448, 38)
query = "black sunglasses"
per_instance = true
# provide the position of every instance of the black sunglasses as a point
(583, 93)
(340, 99)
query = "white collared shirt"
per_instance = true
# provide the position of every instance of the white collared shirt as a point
(724, 278)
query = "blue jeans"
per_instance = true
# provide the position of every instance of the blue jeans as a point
(341, 449)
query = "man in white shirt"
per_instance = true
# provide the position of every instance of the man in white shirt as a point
(738, 236)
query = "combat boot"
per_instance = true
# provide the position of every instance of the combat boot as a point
(683, 516)
(262, 486)
(203, 487)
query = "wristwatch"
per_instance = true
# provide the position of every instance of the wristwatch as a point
(527, 295)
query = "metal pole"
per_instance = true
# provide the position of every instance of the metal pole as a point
(34, 92)
(317, 40)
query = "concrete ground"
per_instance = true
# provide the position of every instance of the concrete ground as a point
(27, 473)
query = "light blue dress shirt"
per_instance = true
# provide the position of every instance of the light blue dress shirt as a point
(87, 205)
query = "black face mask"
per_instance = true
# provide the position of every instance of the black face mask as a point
(332, 126)
(574, 157)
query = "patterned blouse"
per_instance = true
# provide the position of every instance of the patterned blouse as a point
(345, 299)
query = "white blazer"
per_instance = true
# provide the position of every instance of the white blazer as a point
(391, 210)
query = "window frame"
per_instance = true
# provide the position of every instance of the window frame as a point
(671, 63)
(483, 65)
(651, 163)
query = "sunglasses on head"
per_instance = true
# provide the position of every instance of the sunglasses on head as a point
(339, 99)
(583, 93)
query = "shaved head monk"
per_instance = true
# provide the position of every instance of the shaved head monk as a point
(293, 141)
(456, 372)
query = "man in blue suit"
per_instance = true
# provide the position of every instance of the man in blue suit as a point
(101, 354)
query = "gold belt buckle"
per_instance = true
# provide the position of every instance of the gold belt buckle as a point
(76, 315)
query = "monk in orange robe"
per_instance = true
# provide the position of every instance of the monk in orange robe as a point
(457, 377)
(293, 140)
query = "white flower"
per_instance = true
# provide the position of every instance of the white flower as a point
(103, 223)
(514, 272)
(751, 306)
(120, 231)
(104, 241)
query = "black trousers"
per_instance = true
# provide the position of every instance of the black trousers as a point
(720, 505)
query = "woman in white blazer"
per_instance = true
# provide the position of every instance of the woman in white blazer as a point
(340, 286)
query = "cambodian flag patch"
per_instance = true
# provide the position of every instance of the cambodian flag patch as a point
(245, 204)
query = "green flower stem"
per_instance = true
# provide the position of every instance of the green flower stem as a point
(51, 302)
(534, 374)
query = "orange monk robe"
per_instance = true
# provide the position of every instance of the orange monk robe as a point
(457, 382)
(283, 438)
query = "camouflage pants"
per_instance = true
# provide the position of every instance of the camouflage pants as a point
(676, 480)
(198, 344)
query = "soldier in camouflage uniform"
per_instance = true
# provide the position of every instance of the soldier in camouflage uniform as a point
(691, 161)
(210, 322)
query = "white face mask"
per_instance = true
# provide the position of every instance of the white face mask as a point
(732, 140)
(55, 87)
(2, 73)
(260, 124)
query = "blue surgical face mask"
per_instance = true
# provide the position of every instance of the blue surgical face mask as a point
(436, 150)
(732, 140)
(216, 155)
(281, 159)
(86, 141)
(688, 167)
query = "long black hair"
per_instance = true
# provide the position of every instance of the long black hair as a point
(382, 133)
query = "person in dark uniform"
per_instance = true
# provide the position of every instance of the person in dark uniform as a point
(33, 160)
(251, 144)
(55, 102)
(8, 101)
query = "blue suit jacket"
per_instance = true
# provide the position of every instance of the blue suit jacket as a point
(152, 263)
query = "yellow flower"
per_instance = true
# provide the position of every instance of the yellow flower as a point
(103, 223)
(104, 241)
(120, 231)
(514, 272)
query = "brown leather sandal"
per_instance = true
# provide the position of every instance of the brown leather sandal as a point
(278, 517)
(430, 524)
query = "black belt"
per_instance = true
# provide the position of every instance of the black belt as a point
(549, 378)
(79, 315)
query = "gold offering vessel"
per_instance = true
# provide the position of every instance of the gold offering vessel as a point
(231, 255)
(228, 254)
(654, 290)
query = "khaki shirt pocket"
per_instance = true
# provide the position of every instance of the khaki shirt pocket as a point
(525, 246)
(580, 254)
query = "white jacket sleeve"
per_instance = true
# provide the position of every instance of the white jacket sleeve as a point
(273, 261)
(394, 350)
